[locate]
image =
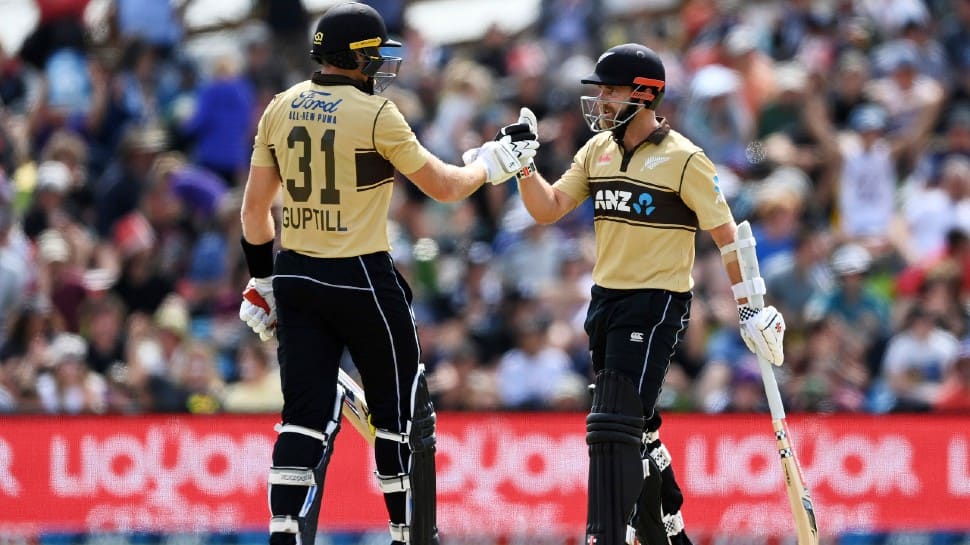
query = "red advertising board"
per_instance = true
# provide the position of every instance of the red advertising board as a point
(497, 474)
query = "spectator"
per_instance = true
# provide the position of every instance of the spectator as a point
(62, 279)
(119, 190)
(196, 374)
(258, 389)
(102, 325)
(221, 125)
(857, 310)
(158, 24)
(793, 281)
(15, 267)
(954, 393)
(917, 360)
(931, 212)
(529, 374)
(68, 386)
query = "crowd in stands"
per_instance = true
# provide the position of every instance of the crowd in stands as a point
(841, 130)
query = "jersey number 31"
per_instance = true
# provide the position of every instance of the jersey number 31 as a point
(301, 192)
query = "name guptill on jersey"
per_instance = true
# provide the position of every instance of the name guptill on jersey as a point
(302, 217)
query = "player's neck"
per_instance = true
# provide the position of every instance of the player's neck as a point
(335, 71)
(640, 127)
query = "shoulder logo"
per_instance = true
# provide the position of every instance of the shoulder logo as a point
(636, 337)
(604, 159)
(654, 162)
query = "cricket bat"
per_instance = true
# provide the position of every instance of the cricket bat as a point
(798, 495)
(355, 407)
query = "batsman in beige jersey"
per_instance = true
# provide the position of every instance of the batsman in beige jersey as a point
(647, 207)
(652, 189)
(331, 146)
(336, 149)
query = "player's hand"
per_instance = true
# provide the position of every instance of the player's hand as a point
(498, 159)
(258, 308)
(522, 135)
(763, 331)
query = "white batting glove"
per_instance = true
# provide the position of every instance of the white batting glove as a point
(258, 308)
(763, 331)
(498, 159)
(523, 135)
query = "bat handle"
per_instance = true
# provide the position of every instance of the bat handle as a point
(748, 262)
(771, 389)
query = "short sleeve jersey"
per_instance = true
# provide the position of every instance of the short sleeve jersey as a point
(647, 206)
(336, 148)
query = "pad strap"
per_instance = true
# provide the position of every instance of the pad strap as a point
(393, 483)
(284, 525)
(400, 532)
(292, 476)
(738, 244)
(661, 456)
(397, 437)
(674, 523)
(324, 436)
(631, 535)
(747, 288)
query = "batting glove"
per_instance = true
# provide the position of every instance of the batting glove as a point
(522, 135)
(258, 308)
(498, 158)
(763, 331)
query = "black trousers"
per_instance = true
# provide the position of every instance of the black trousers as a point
(636, 332)
(359, 303)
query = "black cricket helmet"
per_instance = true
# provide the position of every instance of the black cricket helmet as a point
(350, 36)
(630, 65)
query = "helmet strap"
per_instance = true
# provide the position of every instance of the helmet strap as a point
(371, 62)
(627, 115)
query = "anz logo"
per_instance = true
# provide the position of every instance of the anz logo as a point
(623, 201)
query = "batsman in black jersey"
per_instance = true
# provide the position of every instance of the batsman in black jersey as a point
(332, 145)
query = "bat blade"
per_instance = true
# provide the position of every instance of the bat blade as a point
(799, 498)
(355, 408)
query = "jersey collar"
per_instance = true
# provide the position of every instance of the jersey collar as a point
(655, 137)
(320, 78)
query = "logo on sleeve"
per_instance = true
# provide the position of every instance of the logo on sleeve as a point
(717, 189)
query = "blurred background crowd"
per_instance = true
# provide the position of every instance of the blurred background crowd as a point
(841, 130)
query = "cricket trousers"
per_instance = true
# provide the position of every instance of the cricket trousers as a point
(636, 333)
(361, 304)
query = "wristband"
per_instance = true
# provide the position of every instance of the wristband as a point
(259, 258)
